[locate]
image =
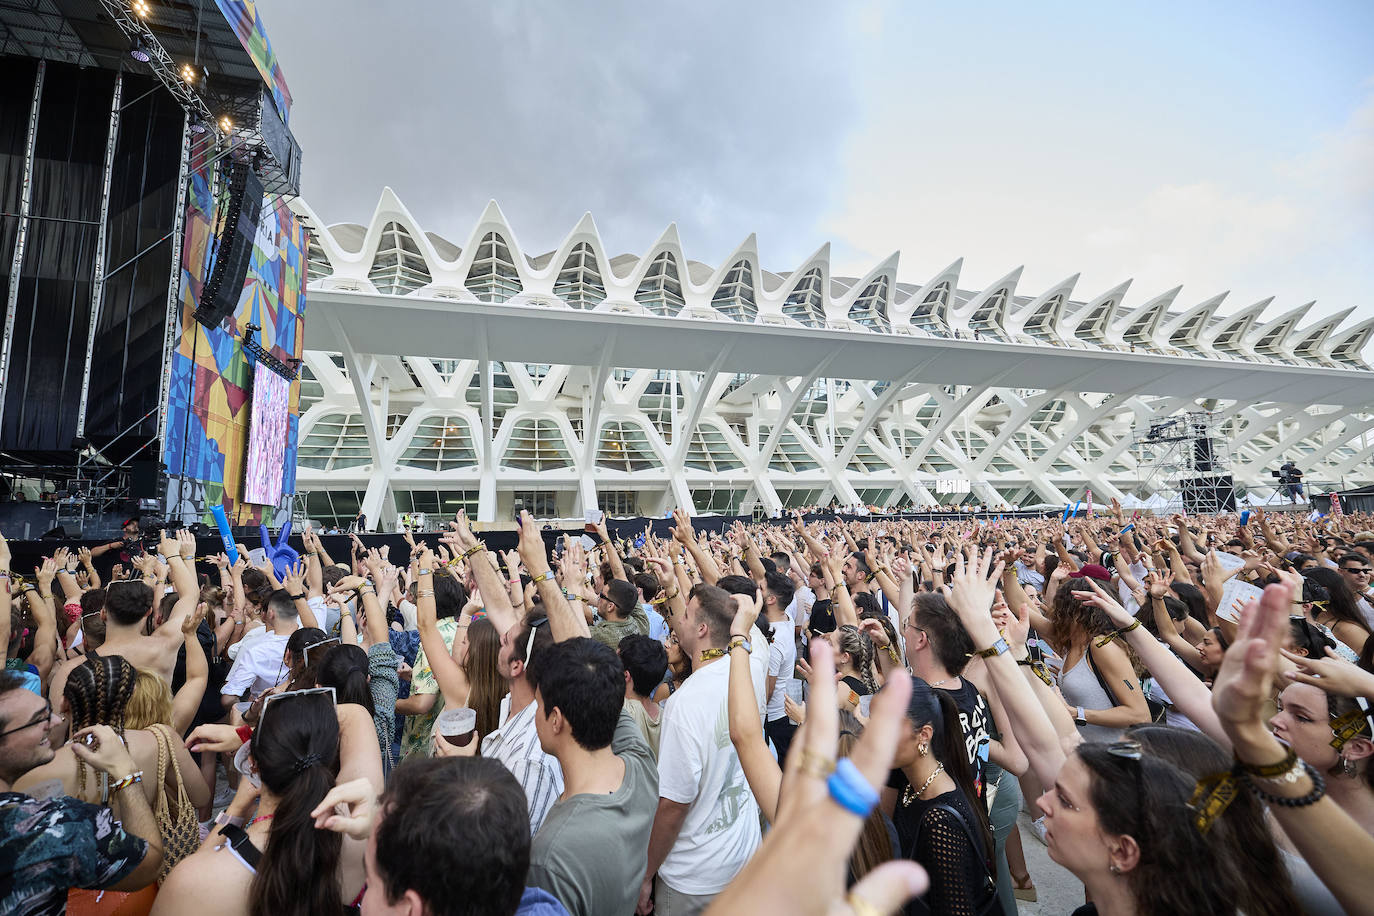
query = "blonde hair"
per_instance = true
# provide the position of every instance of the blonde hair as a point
(151, 702)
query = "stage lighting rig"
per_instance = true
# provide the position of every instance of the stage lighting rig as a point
(260, 353)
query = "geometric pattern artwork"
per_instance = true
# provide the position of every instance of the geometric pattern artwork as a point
(247, 24)
(208, 410)
(650, 439)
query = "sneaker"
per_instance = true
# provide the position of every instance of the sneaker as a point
(1038, 826)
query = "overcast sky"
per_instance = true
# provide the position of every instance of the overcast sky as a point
(1223, 146)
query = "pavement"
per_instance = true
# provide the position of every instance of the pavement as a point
(1058, 891)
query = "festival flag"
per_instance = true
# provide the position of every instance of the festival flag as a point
(1336, 505)
(1090, 504)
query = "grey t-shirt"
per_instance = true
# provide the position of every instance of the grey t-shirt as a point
(592, 850)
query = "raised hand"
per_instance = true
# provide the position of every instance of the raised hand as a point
(1099, 598)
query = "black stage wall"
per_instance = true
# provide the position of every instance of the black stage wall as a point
(52, 319)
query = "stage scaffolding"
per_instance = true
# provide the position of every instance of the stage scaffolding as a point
(1185, 459)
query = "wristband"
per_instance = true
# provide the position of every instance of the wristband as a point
(739, 642)
(245, 733)
(1302, 801)
(892, 654)
(300, 597)
(1269, 771)
(474, 550)
(545, 576)
(131, 779)
(850, 790)
(424, 572)
(1080, 717)
(225, 819)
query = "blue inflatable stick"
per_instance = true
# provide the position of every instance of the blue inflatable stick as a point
(222, 523)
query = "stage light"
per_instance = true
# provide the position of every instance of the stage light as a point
(141, 8)
(139, 52)
(226, 124)
(188, 73)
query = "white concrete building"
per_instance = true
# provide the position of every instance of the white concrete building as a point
(441, 375)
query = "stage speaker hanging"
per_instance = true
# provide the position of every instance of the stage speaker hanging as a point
(234, 247)
(1202, 454)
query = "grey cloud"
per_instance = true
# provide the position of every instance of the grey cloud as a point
(728, 118)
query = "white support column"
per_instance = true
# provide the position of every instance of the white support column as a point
(695, 405)
(877, 410)
(379, 504)
(591, 427)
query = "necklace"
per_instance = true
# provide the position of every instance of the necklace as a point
(908, 796)
(268, 817)
(940, 682)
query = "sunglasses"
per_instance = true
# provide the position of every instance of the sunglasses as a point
(1132, 751)
(529, 644)
(43, 719)
(1357, 570)
(294, 694)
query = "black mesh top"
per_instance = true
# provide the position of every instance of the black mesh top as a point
(959, 882)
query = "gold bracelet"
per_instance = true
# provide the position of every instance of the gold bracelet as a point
(424, 593)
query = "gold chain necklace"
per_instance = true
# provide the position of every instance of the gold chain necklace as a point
(908, 796)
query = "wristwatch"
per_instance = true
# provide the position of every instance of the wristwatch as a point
(1080, 718)
(996, 648)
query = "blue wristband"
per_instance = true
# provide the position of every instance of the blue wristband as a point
(850, 790)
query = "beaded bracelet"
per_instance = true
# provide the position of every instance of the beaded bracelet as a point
(1311, 798)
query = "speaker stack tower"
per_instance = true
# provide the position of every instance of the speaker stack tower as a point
(234, 247)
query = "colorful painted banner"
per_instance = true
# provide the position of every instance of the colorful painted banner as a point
(247, 24)
(208, 409)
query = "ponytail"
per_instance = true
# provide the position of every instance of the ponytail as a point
(953, 753)
(345, 669)
(296, 748)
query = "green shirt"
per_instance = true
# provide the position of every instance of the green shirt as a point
(416, 740)
(592, 850)
(611, 632)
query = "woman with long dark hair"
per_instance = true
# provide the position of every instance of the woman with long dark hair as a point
(941, 822)
(1339, 613)
(1116, 817)
(276, 862)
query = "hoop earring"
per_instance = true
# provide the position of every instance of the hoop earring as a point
(924, 749)
(1347, 765)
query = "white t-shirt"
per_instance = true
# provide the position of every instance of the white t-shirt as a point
(799, 611)
(782, 664)
(697, 766)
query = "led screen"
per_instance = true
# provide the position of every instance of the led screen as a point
(267, 437)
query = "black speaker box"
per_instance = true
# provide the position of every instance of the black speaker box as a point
(1202, 495)
(235, 247)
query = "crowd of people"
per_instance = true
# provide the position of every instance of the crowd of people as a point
(825, 717)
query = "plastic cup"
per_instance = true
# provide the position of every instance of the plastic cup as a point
(458, 726)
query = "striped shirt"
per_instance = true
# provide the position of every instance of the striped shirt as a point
(516, 744)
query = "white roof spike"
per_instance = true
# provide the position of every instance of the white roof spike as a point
(491, 213)
(586, 225)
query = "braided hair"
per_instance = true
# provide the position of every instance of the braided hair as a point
(859, 646)
(97, 692)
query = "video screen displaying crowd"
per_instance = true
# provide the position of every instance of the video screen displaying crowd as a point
(841, 717)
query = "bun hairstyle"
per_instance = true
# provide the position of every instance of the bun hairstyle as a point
(1147, 798)
(296, 750)
(937, 709)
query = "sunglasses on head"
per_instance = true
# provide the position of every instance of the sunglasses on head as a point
(306, 692)
(535, 624)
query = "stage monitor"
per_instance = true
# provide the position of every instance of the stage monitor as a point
(267, 437)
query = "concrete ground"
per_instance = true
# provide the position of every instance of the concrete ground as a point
(1059, 893)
